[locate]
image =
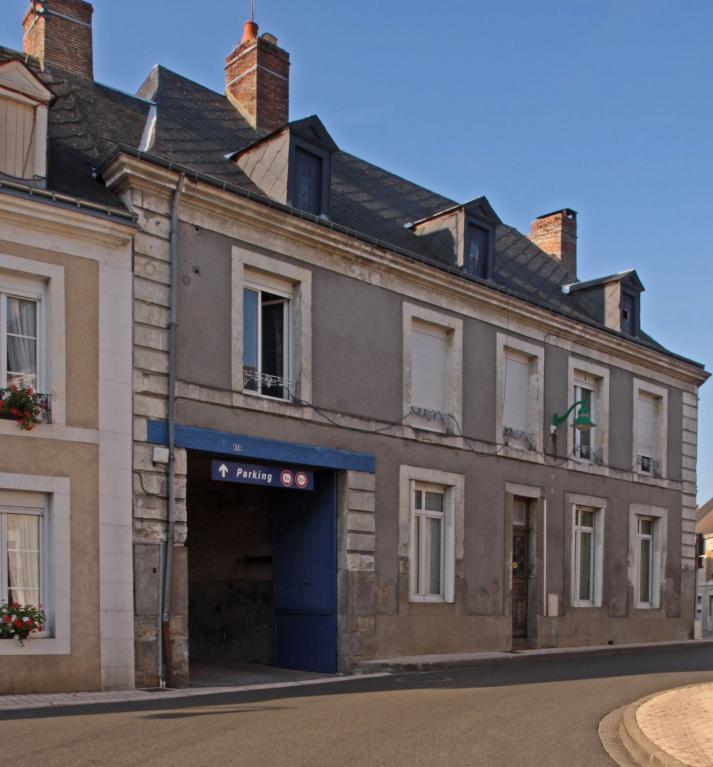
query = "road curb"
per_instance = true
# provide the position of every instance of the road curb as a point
(397, 666)
(627, 744)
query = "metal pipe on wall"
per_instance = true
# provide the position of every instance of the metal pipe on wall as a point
(166, 669)
(544, 556)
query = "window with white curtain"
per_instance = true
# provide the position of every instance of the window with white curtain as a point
(22, 339)
(429, 521)
(23, 549)
(429, 367)
(516, 408)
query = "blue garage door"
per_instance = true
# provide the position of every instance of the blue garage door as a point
(305, 576)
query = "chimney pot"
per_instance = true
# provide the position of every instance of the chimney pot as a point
(250, 30)
(61, 36)
(257, 80)
(556, 234)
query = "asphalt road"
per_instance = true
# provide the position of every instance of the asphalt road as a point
(535, 712)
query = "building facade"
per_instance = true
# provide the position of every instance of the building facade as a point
(65, 331)
(369, 421)
(704, 592)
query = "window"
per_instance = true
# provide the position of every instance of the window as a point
(584, 441)
(647, 448)
(429, 367)
(645, 556)
(520, 393)
(22, 547)
(585, 527)
(589, 383)
(23, 123)
(431, 511)
(20, 341)
(629, 318)
(266, 342)
(432, 365)
(429, 532)
(271, 345)
(648, 530)
(584, 561)
(516, 418)
(308, 181)
(478, 257)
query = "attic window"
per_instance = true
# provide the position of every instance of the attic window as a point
(308, 188)
(629, 313)
(23, 123)
(478, 259)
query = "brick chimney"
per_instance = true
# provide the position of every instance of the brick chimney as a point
(59, 33)
(257, 80)
(556, 234)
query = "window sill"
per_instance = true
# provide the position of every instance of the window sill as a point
(283, 400)
(38, 645)
(423, 600)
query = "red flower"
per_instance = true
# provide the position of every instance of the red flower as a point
(18, 624)
(7, 619)
(40, 628)
(29, 391)
(14, 411)
(15, 606)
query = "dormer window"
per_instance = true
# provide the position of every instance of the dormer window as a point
(308, 180)
(23, 124)
(309, 175)
(629, 313)
(478, 260)
(292, 165)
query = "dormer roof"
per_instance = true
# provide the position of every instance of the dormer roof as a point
(16, 78)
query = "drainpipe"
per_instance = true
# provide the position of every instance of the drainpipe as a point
(166, 668)
(544, 556)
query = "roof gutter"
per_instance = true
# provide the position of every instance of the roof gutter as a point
(226, 186)
(47, 195)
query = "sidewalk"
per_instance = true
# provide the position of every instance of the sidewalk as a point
(470, 660)
(668, 729)
(368, 669)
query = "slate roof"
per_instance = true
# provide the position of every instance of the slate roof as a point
(200, 129)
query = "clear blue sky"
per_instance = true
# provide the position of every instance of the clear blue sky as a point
(604, 106)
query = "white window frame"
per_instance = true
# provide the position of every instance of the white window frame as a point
(598, 506)
(42, 281)
(56, 562)
(262, 284)
(251, 269)
(661, 394)
(454, 374)
(659, 516)
(27, 290)
(416, 571)
(583, 373)
(37, 507)
(536, 389)
(453, 486)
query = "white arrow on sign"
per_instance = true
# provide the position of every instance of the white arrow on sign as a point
(223, 471)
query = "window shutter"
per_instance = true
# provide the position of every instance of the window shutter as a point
(429, 367)
(646, 426)
(517, 382)
(16, 158)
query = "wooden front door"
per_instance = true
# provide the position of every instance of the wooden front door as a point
(520, 561)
